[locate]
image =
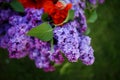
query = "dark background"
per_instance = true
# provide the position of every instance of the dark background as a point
(105, 41)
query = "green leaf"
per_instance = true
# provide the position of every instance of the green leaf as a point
(45, 17)
(17, 6)
(69, 17)
(93, 17)
(44, 32)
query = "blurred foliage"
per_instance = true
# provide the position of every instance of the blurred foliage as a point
(105, 41)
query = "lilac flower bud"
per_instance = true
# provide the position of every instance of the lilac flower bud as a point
(101, 1)
(93, 2)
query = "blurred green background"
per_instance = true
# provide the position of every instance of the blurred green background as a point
(105, 41)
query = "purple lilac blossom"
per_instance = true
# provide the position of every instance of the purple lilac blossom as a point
(68, 41)
(86, 56)
(5, 14)
(42, 55)
(78, 7)
(56, 56)
(93, 2)
(3, 38)
(74, 44)
(20, 45)
(70, 37)
(4, 41)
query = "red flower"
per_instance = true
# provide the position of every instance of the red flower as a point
(34, 3)
(57, 10)
(28, 3)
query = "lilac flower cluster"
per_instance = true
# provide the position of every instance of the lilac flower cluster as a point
(86, 51)
(4, 15)
(70, 39)
(74, 44)
(3, 38)
(80, 19)
(43, 55)
(20, 45)
(94, 2)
